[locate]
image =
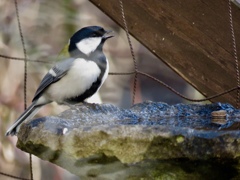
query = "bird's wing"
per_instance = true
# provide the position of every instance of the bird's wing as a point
(53, 75)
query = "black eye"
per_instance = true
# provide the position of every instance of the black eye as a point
(94, 35)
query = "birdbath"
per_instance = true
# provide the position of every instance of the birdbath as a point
(149, 140)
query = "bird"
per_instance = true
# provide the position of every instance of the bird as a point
(74, 79)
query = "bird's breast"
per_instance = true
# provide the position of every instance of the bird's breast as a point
(76, 82)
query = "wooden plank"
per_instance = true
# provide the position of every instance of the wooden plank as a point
(191, 37)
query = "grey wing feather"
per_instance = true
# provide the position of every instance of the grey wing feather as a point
(60, 70)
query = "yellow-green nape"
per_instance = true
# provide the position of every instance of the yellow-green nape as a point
(64, 53)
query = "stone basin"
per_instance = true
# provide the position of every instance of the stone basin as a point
(149, 140)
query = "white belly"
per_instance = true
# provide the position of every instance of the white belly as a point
(79, 78)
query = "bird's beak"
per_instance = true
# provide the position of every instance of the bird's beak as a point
(108, 34)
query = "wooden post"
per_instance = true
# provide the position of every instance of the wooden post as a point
(192, 37)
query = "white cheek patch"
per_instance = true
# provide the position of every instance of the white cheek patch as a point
(89, 45)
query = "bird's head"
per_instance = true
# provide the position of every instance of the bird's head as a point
(87, 40)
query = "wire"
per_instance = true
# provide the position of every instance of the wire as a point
(234, 50)
(184, 97)
(25, 74)
(23, 59)
(131, 49)
(14, 177)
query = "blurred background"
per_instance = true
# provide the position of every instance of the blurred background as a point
(47, 26)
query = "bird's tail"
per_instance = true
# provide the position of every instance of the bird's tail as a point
(26, 115)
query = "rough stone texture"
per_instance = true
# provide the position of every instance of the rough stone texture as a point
(107, 142)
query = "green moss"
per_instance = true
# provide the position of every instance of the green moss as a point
(179, 139)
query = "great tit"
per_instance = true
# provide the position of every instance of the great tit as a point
(74, 79)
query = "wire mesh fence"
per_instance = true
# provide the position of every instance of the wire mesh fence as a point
(32, 23)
